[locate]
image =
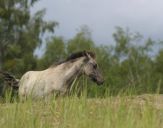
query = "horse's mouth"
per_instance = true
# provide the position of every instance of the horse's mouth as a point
(100, 82)
(95, 79)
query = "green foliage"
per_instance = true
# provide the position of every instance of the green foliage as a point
(20, 34)
(55, 51)
(82, 41)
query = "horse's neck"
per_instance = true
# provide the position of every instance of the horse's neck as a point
(65, 73)
(73, 69)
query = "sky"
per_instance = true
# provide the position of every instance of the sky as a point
(102, 16)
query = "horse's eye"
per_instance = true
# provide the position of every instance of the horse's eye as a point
(95, 66)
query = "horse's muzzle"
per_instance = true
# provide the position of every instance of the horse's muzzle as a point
(100, 82)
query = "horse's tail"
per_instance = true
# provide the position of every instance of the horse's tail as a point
(10, 80)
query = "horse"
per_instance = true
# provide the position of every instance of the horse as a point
(58, 77)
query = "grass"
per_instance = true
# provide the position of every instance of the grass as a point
(145, 111)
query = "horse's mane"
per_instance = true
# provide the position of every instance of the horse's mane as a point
(80, 54)
(74, 56)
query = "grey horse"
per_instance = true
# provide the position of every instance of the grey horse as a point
(57, 78)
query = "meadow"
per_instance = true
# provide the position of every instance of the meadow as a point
(143, 111)
(128, 61)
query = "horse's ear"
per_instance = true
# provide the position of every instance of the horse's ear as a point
(93, 55)
(90, 55)
(87, 55)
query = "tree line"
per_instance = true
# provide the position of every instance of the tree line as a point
(131, 63)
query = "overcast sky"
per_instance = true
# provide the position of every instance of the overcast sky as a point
(102, 16)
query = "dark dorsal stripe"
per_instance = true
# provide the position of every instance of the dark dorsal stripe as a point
(75, 56)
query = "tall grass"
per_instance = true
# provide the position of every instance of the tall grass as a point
(78, 110)
(82, 112)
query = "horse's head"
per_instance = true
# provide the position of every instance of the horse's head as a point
(91, 68)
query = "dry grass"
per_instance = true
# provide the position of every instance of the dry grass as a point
(144, 111)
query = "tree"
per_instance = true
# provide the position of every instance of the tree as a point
(20, 34)
(134, 70)
(81, 41)
(55, 51)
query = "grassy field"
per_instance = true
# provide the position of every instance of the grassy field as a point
(144, 111)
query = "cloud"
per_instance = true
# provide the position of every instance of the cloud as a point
(102, 16)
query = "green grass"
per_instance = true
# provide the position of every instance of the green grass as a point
(144, 111)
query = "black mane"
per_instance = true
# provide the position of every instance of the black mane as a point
(80, 54)
(75, 56)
